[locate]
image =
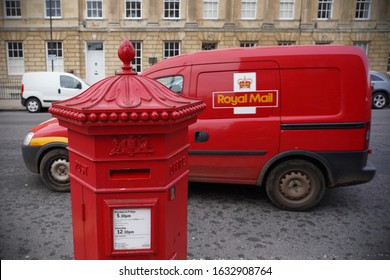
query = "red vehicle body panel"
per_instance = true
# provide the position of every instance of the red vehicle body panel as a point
(323, 105)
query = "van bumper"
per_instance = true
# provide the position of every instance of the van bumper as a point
(349, 168)
(30, 157)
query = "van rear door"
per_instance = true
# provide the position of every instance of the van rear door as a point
(240, 128)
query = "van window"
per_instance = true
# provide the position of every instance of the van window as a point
(174, 83)
(69, 82)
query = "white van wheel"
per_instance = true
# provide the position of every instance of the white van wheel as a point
(295, 185)
(33, 105)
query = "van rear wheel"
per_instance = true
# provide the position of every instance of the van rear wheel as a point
(33, 105)
(295, 185)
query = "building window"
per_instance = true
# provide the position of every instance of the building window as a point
(210, 9)
(286, 43)
(247, 44)
(362, 9)
(172, 9)
(55, 8)
(248, 9)
(94, 8)
(137, 61)
(12, 8)
(362, 45)
(325, 9)
(209, 46)
(171, 49)
(388, 63)
(55, 59)
(15, 58)
(286, 9)
(134, 9)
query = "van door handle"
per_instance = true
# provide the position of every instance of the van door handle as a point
(201, 136)
(59, 90)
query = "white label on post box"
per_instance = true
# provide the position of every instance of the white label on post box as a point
(132, 228)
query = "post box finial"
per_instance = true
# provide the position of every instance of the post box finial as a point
(126, 53)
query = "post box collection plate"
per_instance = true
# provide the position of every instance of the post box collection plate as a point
(132, 228)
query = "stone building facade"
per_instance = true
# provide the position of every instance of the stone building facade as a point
(82, 36)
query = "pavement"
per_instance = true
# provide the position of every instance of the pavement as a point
(11, 105)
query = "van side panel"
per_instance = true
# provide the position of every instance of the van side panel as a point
(325, 108)
(238, 143)
(326, 112)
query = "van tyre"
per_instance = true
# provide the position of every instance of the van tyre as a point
(379, 100)
(295, 185)
(54, 169)
(33, 105)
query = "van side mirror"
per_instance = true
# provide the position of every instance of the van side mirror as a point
(78, 86)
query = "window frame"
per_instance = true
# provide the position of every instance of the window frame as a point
(47, 8)
(213, 10)
(286, 43)
(364, 45)
(285, 13)
(388, 63)
(97, 9)
(249, 7)
(359, 9)
(248, 44)
(136, 10)
(16, 8)
(325, 6)
(137, 61)
(170, 49)
(11, 60)
(214, 46)
(170, 10)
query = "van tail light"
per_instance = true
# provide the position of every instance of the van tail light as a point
(367, 138)
(22, 88)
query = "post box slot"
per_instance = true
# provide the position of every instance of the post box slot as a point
(129, 174)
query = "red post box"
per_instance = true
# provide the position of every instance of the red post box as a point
(128, 153)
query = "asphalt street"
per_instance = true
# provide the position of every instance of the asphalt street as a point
(224, 221)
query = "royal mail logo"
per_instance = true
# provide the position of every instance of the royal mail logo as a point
(244, 83)
(259, 99)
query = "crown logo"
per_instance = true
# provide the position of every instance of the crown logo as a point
(244, 83)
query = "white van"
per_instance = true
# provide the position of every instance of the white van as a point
(40, 89)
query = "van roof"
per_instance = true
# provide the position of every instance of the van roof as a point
(256, 53)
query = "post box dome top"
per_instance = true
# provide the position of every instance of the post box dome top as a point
(126, 98)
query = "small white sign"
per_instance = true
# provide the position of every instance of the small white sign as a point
(52, 57)
(132, 228)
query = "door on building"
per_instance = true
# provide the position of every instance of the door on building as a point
(95, 62)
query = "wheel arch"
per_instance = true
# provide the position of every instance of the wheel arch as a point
(311, 157)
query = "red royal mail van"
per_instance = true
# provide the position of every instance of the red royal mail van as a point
(295, 120)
